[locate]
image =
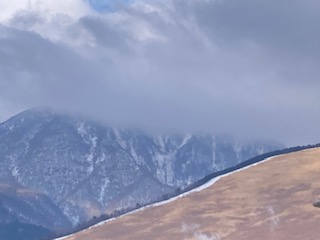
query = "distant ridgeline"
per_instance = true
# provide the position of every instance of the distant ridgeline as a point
(190, 187)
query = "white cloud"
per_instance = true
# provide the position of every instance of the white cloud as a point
(73, 8)
(175, 64)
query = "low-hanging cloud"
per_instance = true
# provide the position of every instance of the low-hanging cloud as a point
(242, 67)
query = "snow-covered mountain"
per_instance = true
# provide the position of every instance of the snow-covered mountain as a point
(87, 169)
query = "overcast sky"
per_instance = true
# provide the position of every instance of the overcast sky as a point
(245, 67)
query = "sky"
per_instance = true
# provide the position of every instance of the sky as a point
(104, 6)
(243, 67)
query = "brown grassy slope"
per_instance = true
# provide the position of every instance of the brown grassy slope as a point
(270, 201)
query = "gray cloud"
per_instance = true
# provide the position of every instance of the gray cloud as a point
(34, 69)
(106, 35)
(244, 67)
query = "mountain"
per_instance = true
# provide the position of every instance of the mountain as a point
(85, 169)
(270, 200)
(16, 230)
(26, 205)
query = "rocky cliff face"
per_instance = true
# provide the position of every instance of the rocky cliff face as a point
(87, 169)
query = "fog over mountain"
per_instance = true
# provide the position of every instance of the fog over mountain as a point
(58, 170)
(246, 67)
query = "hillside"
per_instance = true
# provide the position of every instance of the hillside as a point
(272, 200)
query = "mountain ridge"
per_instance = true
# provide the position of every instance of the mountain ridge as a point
(197, 186)
(270, 200)
(88, 169)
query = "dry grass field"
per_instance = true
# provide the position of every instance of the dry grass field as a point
(271, 201)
